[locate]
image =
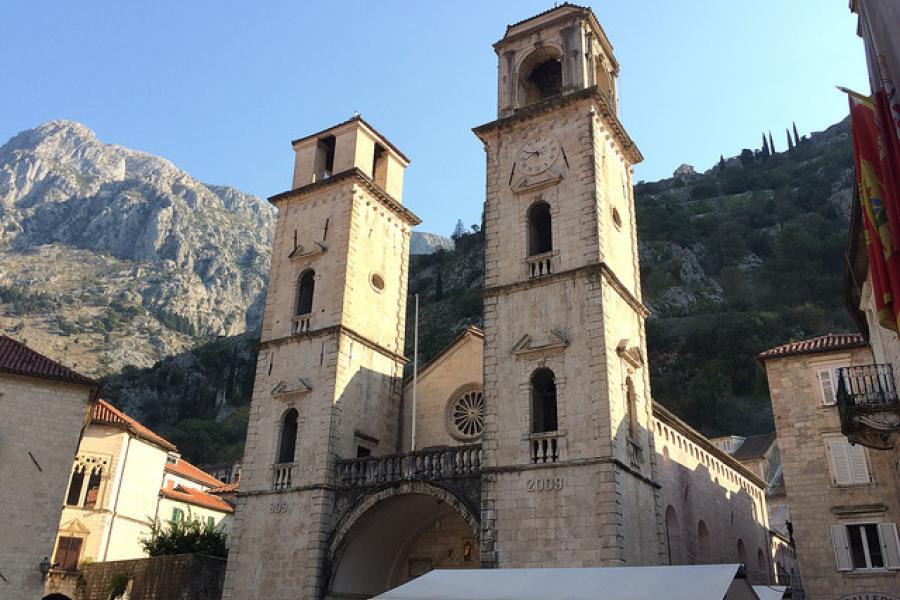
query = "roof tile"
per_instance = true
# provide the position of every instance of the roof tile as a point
(196, 497)
(183, 468)
(17, 358)
(107, 414)
(816, 345)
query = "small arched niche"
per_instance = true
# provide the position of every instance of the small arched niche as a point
(540, 76)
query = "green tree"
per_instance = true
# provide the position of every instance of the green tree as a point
(185, 536)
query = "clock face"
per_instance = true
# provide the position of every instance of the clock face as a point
(539, 155)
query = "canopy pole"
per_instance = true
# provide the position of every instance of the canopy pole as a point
(415, 372)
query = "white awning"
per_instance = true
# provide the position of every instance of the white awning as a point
(688, 582)
(770, 592)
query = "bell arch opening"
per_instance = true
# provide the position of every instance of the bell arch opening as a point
(540, 76)
(394, 539)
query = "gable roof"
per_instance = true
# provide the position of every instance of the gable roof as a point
(196, 497)
(817, 345)
(183, 468)
(754, 446)
(107, 414)
(19, 359)
(471, 330)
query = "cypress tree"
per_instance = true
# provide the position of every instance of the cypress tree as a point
(771, 144)
(789, 141)
(765, 146)
(796, 137)
(439, 286)
(721, 162)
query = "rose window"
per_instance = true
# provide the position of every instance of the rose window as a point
(466, 415)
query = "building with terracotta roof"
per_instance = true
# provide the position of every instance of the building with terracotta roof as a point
(842, 495)
(45, 408)
(123, 478)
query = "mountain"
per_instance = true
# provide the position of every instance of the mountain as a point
(428, 243)
(735, 260)
(112, 257)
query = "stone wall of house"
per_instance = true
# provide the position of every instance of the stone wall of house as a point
(804, 425)
(39, 432)
(182, 576)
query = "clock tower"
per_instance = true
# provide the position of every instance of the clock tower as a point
(567, 473)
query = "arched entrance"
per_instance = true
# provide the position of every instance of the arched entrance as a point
(56, 597)
(397, 534)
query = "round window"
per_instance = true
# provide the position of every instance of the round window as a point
(377, 281)
(616, 218)
(465, 414)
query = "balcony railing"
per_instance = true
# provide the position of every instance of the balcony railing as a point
(300, 323)
(539, 265)
(428, 465)
(544, 447)
(868, 404)
(282, 475)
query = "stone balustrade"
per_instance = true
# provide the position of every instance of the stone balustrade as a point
(428, 465)
(539, 265)
(300, 324)
(282, 475)
(545, 447)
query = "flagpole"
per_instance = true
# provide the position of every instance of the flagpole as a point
(415, 372)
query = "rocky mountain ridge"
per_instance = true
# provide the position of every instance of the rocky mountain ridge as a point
(117, 256)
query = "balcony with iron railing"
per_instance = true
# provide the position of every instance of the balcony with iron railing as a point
(435, 464)
(868, 405)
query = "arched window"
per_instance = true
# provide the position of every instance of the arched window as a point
(703, 553)
(540, 235)
(288, 442)
(762, 565)
(741, 552)
(540, 76)
(631, 408)
(305, 289)
(543, 401)
(673, 537)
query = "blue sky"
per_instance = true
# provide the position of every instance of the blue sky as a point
(220, 88)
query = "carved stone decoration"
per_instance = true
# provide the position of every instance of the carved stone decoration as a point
(301, 252)
(525, 347)
(630, 354)
(283, 390)
(464, 414)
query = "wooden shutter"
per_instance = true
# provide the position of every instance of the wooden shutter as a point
(67, 552)
(858, 466)
(826, 385)
(890, 545)
(839, 453)
(841, 548)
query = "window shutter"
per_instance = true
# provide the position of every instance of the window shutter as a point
(826, 385)
(890, 545)
(841, 548)
(838, 451)
(858, 466)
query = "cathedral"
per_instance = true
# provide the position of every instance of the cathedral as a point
(533, 442)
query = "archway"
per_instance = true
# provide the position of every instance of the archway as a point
(398, 534)
(56, 596)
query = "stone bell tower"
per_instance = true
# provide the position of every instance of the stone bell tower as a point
(567, 474)
(329, 373)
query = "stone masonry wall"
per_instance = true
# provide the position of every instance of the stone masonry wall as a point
(39, 432)
(181, 577)
(803, 424)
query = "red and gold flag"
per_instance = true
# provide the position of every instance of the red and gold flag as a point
(879, 209)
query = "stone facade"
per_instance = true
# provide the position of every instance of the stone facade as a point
(535, 440)
(823, 502)
(337, 363)
(42, 421)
